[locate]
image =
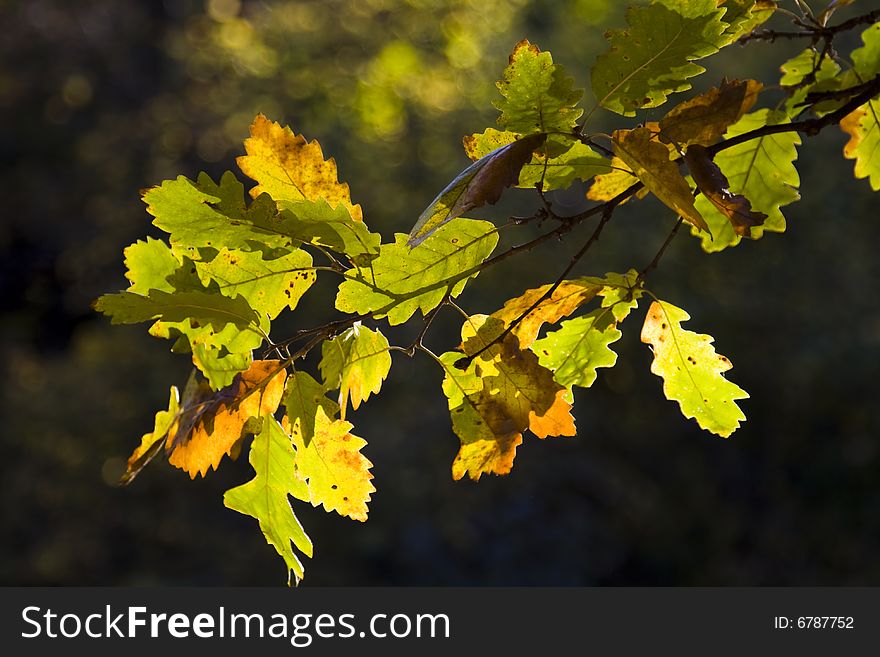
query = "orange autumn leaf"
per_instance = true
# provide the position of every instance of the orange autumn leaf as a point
(566, 298)
(289, 168)
(211, 424)
(501, 394)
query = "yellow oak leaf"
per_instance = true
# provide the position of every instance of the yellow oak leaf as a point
(338, 475)
(649, 159)
(289, 168)
(497, 397)
(608, 185)
(212, 424)
(566, 298)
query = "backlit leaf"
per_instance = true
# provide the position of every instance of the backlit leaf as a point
(149, 264)
(715, 187)
(577, 161)
(302, 399)
(654, 56)
(151, 443)
(692, 372)
(212, 424)
(269, 286)
(402, 280)
(315, 222)
(289, 168)
(863, 125)
(581, 345)
(203, 213)
(501, 394)
(219, 365)
(864, 143)
(338, 474)
(743, 16)
(538, 96)
(801, 76)
(762, 170)
(606, 186)
(566, 298)
(265, 497)
(481, 183)
(649, 160)
(704, 119)
(356, 362)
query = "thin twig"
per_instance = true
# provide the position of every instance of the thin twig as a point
(651, 266)
(594, 237)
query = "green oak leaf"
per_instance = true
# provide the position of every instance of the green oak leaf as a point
(655, 55)
(356, 362)
(692, 371)
(743, 16)
(269, 286)
(149, 264)
(302, 399)
(203, 213)
(402, 280)
(538, 96)
(796, 69)
(316, 222)
(265, 497)
(220, 365)
(762, 170)
(581, 345)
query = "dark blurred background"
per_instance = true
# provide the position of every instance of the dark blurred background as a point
(101, 98)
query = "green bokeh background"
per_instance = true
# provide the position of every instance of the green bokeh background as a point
(99, 99)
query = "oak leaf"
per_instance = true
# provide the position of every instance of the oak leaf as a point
(649, 161)
(715, 187)
(289, 168)
(692, 371)
(538, 96)
(704, 119)
(338, 475)
(481, 183)
(211, 424)
(265, 497)
(497, 397)
(356, 362)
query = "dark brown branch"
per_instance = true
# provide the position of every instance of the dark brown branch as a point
(809, 127)
(812, 32)
(651, 266)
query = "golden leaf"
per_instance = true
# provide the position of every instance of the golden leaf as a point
(289, 168)
(212, 424)
(649, 160)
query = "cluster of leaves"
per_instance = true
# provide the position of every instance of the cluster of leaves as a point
(230, 267)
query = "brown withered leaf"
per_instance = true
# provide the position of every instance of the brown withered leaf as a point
(212, 424)
(481, 183)
(704, 119)
(649, 160)
(715, 187)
